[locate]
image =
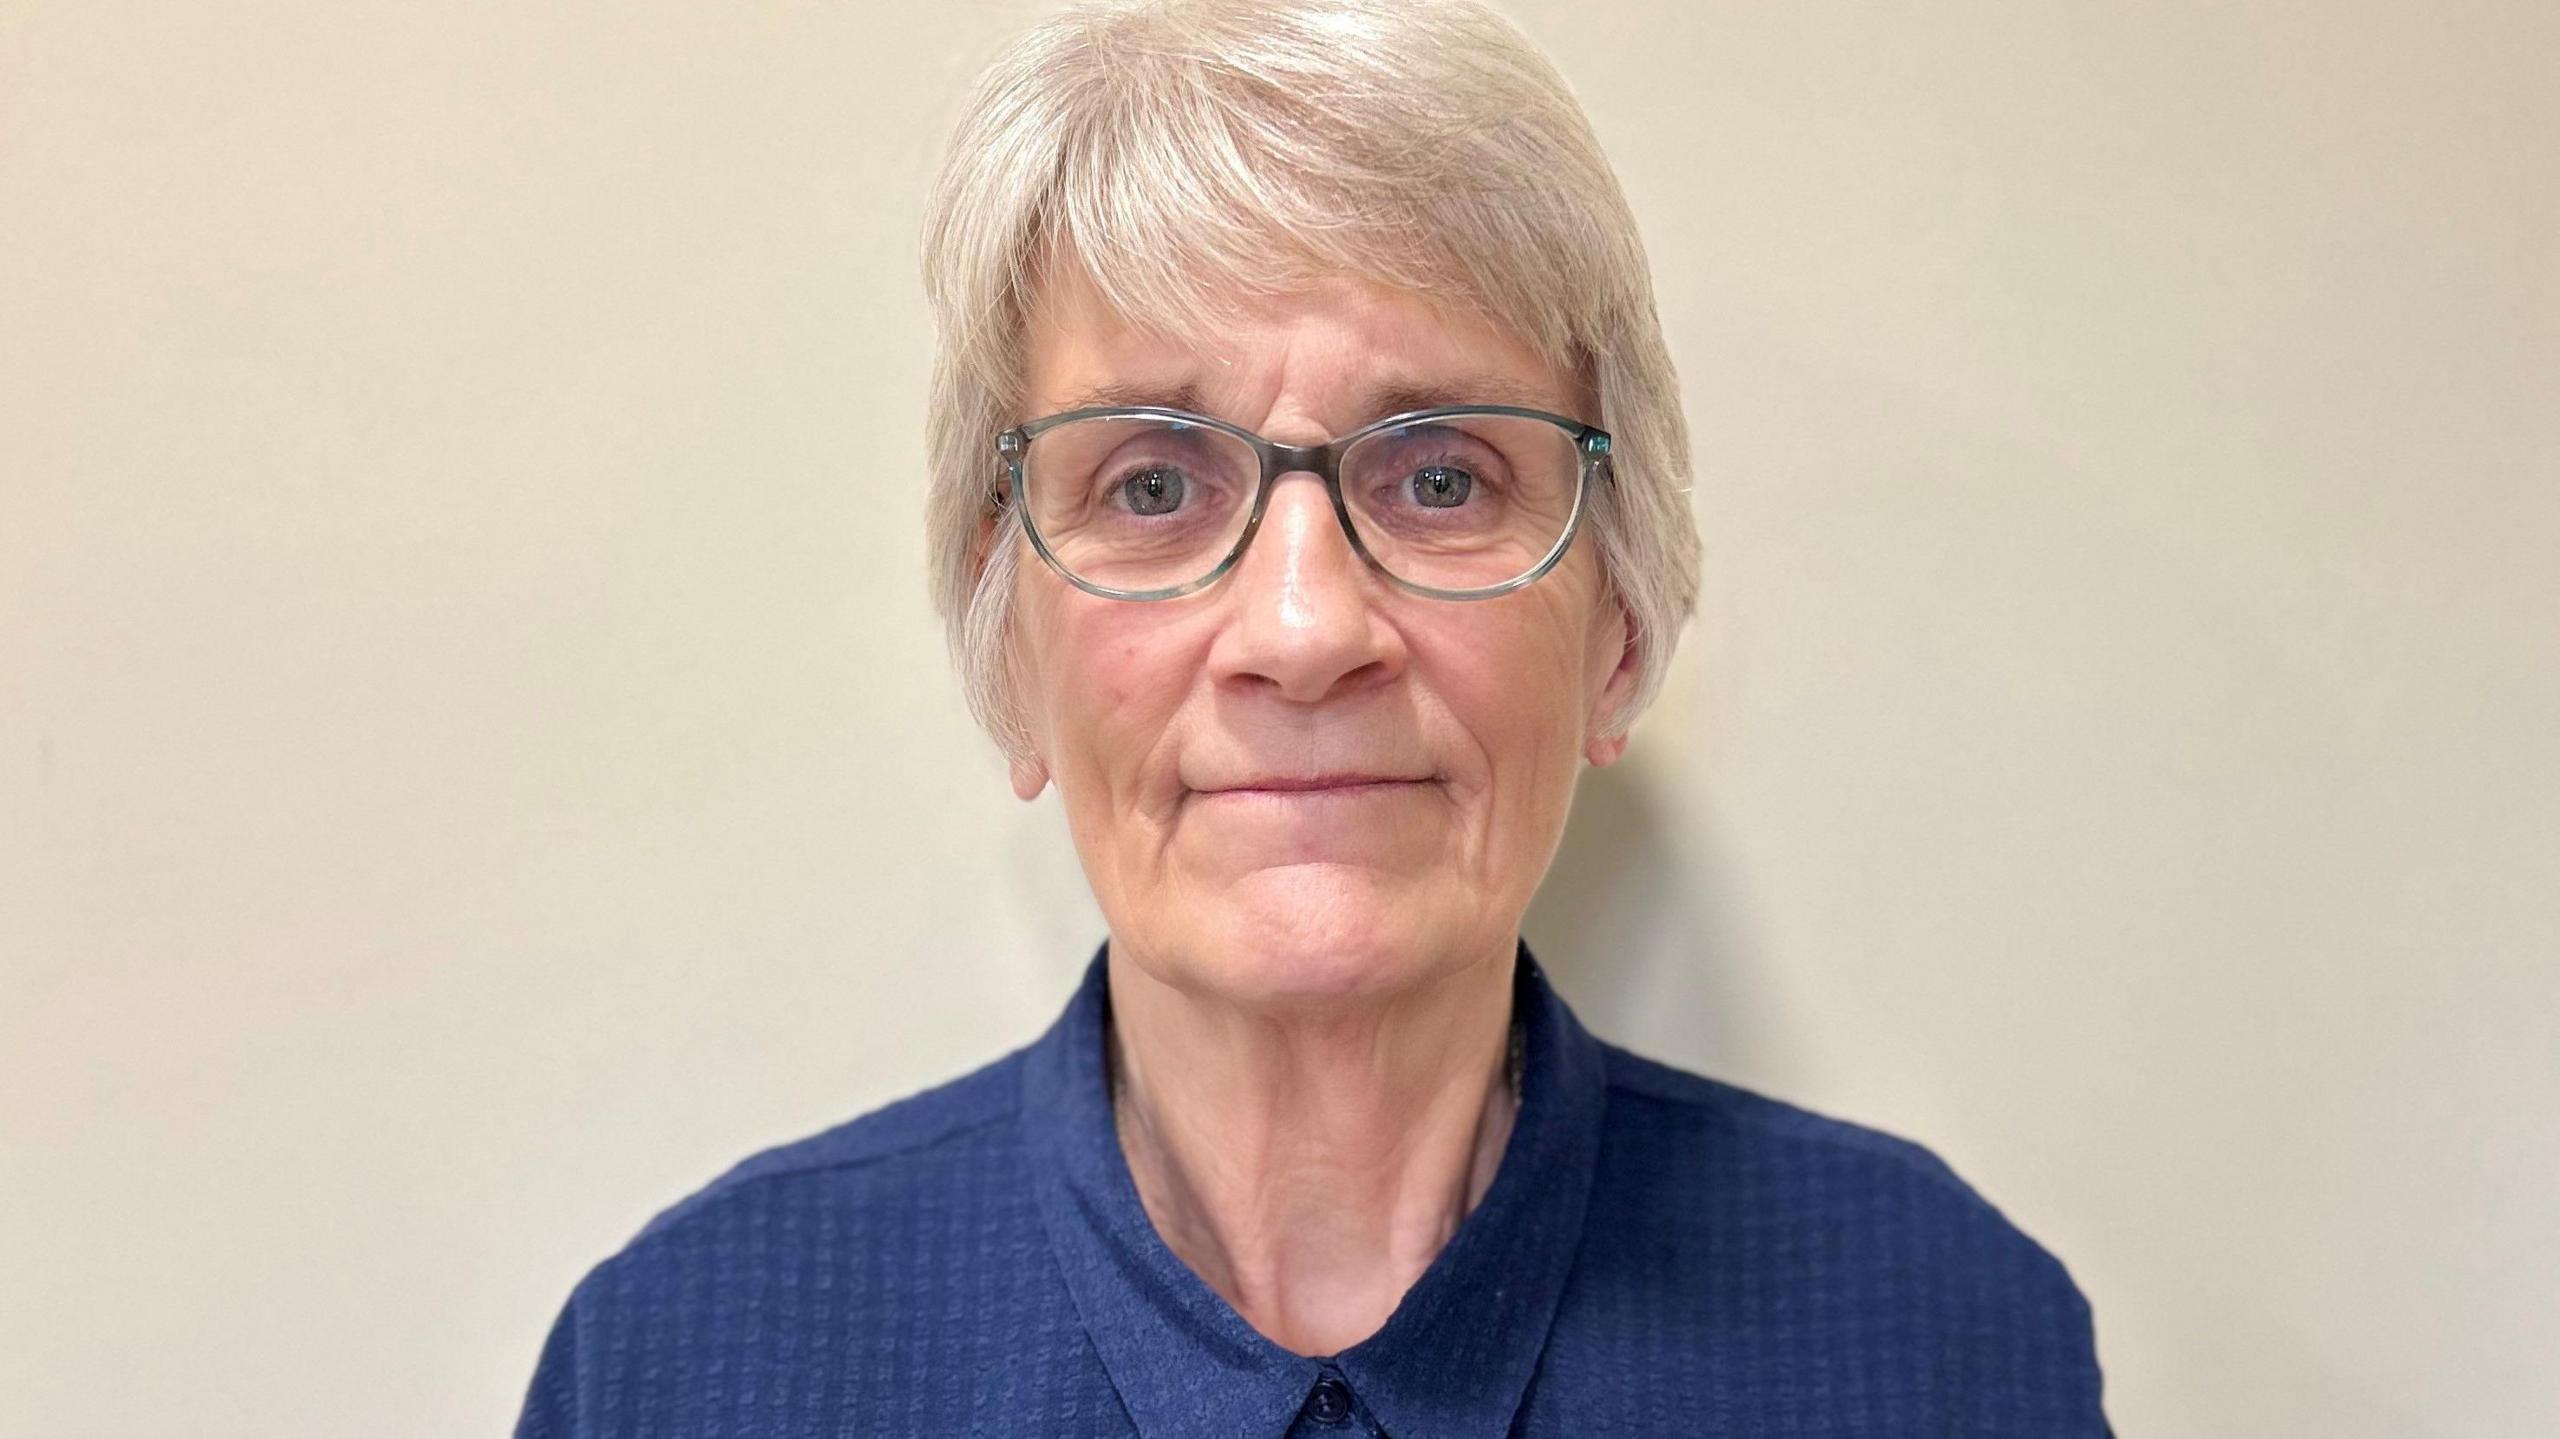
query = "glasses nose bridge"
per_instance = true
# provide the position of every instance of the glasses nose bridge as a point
(1322, 461)
(1317, 460)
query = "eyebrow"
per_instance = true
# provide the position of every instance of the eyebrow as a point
(1389, 397)
(1130, 395)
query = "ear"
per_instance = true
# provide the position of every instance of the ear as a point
(1030, 775)
(1599, 745)
(1021, 742)
(1024, 745)
(1024, 748)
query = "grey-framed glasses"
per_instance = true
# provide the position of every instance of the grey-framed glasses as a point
(1460, 502)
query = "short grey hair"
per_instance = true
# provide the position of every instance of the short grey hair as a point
(1191, 156)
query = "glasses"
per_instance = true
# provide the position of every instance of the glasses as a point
(1463, 502)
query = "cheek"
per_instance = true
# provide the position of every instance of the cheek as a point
(1111, 680)
(1113, 673)
(1514, 684)
(1524, 667)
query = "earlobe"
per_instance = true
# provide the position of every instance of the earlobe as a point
(1605, 738)
(1030, 775)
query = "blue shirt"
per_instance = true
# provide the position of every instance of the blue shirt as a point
(1657, 1254)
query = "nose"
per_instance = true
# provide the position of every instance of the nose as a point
(1303, 620)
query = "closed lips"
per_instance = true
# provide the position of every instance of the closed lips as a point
(1290, 784)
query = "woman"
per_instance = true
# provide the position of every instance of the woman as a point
(1308, 509)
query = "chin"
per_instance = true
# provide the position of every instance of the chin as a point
(1313, 933)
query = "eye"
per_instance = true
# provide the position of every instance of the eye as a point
(1441, 487)
(1155, 490)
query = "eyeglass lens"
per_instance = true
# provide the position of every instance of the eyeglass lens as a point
(1454, 502)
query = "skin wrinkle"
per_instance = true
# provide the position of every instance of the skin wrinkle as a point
(1310, 993)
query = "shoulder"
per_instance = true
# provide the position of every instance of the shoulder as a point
(888, 1181)
(850, 1255)
(922, 1133)
(1812, 1254)
(1843, 1203)
(1650, 1100)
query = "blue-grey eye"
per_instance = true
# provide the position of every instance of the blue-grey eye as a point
(1441, 487)
(1153, 491)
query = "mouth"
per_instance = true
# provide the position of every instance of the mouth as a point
(1344, 785)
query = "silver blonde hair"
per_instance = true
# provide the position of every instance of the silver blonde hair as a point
(1192, 156)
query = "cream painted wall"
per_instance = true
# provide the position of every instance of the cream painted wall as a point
(475, 757)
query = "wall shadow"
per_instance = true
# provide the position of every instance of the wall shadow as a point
(1645, 929)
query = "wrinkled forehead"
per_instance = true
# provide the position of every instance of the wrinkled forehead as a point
(1358, 346)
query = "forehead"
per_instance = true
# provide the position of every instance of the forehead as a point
(1339, 350)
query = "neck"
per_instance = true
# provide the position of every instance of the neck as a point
(1310, 1165)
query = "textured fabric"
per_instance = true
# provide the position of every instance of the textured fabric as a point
(1658, 1254)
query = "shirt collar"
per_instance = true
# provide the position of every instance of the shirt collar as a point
(1453, 1359)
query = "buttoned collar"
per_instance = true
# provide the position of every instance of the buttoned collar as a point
(1451, 1362)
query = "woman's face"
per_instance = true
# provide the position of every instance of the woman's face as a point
(1304, 783)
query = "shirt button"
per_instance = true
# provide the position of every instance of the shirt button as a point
(1330, 1403)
